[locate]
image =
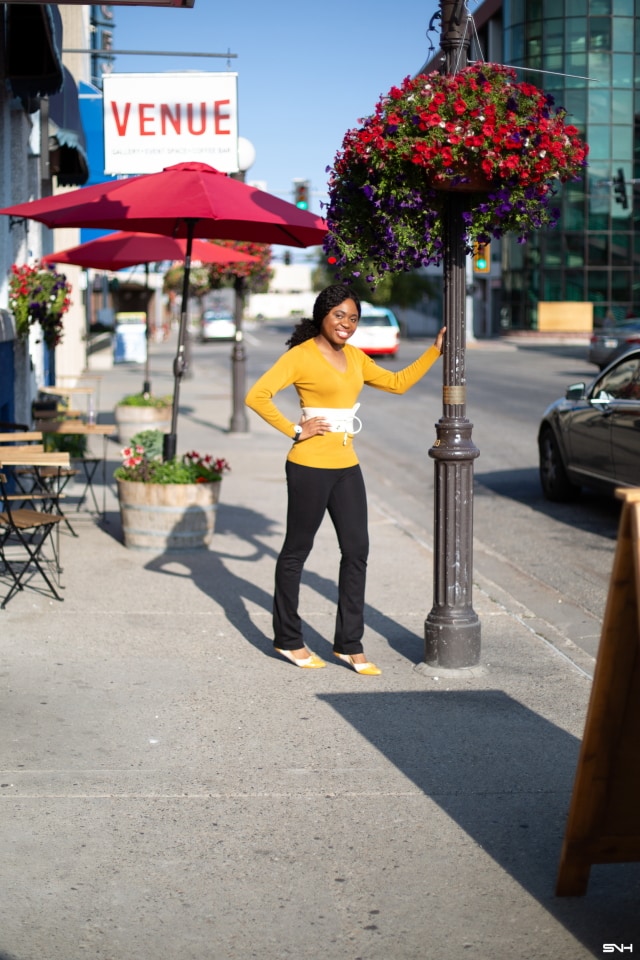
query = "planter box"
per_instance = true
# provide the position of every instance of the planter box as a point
(132, 420)
(168, 516)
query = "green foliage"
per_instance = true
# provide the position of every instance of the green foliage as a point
(151, 442)
(211, 276)
(142, 463)
(75, 444)
(145, 400)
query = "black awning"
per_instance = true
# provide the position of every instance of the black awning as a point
(67, 141)
(33, 64)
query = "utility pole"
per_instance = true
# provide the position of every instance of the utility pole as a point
(452, 628)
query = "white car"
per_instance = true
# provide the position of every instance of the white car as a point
(378, 331)
(217, 326)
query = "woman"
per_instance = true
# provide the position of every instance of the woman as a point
(322, 467)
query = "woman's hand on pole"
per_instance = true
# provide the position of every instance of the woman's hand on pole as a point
(439, 341)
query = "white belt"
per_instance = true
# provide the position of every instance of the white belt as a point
(341, 419)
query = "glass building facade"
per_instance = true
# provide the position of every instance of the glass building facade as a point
(594, 252)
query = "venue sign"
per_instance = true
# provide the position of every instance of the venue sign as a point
(152, 121)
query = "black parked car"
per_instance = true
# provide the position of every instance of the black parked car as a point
(608, 344)
(592, 436)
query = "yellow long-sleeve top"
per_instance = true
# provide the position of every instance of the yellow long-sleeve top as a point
(319, 384)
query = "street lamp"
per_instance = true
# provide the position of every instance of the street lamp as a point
(239, 420)
(452, 628)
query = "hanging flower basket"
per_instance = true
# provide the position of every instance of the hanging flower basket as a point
(499, 142)
(39, 294)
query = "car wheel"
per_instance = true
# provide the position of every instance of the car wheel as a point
(553, 476)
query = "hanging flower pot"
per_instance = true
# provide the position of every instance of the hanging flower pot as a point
(39, 294)
(478, 132)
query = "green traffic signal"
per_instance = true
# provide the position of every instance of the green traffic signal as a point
(301, 194)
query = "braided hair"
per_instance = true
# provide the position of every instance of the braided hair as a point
(326, 300)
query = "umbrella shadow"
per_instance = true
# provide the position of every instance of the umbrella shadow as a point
(504, 775)
(212, 572)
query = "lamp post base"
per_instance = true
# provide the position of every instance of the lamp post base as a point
(452, 642)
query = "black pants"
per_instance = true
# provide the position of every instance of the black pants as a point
(311, 492)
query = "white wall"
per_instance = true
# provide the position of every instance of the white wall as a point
(279, 305)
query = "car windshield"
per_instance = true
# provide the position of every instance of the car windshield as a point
(621, 383)
(370, 321)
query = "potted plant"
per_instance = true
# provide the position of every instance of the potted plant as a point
(142, 411)
(39, 295)
(502, 144)
(171, 504)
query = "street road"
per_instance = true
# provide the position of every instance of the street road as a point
(549, 562)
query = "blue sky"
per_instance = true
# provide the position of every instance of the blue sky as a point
(306, 71)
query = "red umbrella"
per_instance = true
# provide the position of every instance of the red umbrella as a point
(181, 201)
(123, 249)
(179, 197)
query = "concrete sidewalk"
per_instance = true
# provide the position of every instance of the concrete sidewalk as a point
(172, 789)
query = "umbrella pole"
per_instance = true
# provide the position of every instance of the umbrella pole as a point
(146, 387)
(169, 444)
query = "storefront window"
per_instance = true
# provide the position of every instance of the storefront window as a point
(574, 245)
(599, 104)
(598, 250)
(622, 106)
(622, 69)
(600, 68)
(575, 103)
(623, 34)
(552, 285)
(599, 33)
(621, 250)
(621, 285)
(598, 136)
(574, 285)
(594, 253)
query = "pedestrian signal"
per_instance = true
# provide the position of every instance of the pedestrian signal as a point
(301, 194)
(482, 258)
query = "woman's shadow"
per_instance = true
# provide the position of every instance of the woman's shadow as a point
(212, 572)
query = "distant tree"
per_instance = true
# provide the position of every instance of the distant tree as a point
(257, 275)
(213, 276)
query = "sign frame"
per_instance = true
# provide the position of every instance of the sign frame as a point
(154, 120)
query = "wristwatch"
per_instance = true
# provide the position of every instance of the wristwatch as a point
(297, 431)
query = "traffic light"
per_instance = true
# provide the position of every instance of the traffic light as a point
(620, 189)
(301, 194)
(482, 258)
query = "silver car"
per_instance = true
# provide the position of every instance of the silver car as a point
(611, 342)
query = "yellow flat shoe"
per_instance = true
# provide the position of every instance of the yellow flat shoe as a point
(366, 669)
(312, 662)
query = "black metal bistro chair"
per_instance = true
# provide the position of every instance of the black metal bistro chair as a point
(26, 532)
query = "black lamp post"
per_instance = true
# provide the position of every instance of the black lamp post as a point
(452, 628)
(239, 420)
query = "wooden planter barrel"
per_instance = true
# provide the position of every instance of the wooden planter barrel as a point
(168, 516)
(132, 420)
